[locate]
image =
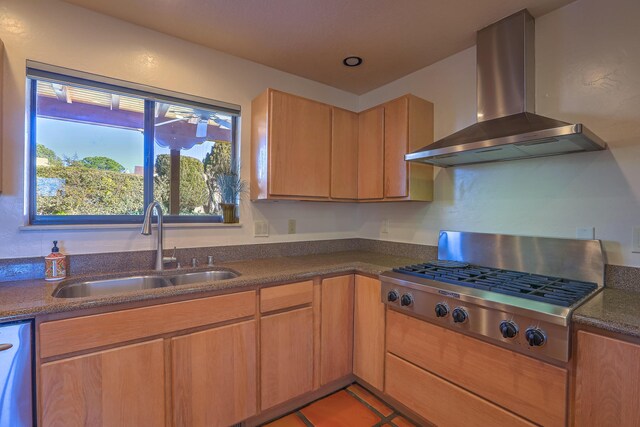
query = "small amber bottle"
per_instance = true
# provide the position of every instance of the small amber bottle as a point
(55, 264)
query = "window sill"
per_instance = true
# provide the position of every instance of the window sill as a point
(74, 227)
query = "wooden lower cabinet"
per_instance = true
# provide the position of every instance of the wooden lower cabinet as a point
(336, 339)
(526, 386)
(286, 356)
(213, 376)
(607, 382)
(124, 386)
(441, 402)
(369, 321)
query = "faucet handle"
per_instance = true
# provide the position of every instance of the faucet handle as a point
(210, 260)
(194, 262)
(174, 253)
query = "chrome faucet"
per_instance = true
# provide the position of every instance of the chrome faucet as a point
(146, 230)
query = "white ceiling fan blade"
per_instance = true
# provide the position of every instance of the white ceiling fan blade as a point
(168, 121)
(201, 129)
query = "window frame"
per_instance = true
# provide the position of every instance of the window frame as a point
(42, 72)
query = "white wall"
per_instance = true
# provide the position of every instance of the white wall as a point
(58, 33)
(588, 71)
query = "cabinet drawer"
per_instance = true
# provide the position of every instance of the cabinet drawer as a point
(441, 402)
(285, 296)
(524, 385)
(82, 333)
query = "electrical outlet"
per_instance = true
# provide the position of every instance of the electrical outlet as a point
(586, 233)
(635, 243)
(384, 228)
(292, 226)
(260, 229)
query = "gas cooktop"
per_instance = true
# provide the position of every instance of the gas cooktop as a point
(515, 291)
(548, 289)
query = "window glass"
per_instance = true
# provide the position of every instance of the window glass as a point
(89, 152)
(100, 153)
(191, 146)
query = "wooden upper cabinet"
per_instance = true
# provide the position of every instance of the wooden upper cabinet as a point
(305, 150)
(344, 154)
(408, 126)
(124, 386)
(291, 147)
(214, 376)
(336, 345)
(607, 382)
(371, 154)
(368, 325)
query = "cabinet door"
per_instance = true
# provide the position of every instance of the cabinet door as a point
(123, 386)
(344, 154)
(408, 126)
(336, 342)
(607, 382)
(214, 376)
(286, 356)
(300, 147)
(368, 349)
(396, 121)
(371, 154)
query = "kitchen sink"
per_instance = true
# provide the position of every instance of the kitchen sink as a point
(109, 286)
(102, 287)
(202, 276)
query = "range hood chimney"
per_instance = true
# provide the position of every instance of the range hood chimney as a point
(507, 127)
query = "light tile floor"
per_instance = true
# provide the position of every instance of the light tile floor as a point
(350, 407)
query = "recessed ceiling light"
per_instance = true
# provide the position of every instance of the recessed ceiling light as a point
(352, 61)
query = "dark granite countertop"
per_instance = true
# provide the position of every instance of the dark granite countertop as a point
(613, 310)
(29, 298)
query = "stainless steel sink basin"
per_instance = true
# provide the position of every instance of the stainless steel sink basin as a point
(201, 277)
(137, 283)
(110, 286)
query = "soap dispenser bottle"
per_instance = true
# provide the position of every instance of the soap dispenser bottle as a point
(55, 264)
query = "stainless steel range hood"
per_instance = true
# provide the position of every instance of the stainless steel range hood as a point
(507, 128)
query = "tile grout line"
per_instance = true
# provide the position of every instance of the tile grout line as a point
(383, 419)
(304, 419)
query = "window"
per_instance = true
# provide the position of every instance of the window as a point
(101, 152)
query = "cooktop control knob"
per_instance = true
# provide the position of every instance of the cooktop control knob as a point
(406, 300)
(393, 296)
(508, 329)
(459, 315)
(535, 337)
(441, 310)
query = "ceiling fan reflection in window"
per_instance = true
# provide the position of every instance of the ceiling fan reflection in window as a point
(187, 127)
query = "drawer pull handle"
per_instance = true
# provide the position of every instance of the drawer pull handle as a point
(4, 347)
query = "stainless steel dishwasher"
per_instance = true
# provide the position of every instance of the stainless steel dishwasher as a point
(16, 375)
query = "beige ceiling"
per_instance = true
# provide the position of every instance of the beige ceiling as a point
(310, 38)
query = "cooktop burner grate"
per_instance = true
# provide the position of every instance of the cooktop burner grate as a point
(551, 290)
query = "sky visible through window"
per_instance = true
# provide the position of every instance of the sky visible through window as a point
(71, 139)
